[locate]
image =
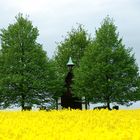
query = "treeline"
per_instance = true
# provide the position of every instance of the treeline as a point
(105, 70)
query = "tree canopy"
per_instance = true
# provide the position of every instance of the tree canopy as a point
(108, 71)
(105, 70)
(24, 65)
(74, 45)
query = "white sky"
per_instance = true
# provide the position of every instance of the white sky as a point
(54, 18)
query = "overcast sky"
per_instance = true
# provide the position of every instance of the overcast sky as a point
(54, 18)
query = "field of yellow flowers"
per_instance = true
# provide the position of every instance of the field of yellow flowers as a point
(70, 125)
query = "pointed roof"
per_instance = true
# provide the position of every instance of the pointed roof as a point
(70, 63)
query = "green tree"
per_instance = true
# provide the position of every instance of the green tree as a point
(54, 84)
(1, 66)
(73, 46)
(108, 71)
(24, 67)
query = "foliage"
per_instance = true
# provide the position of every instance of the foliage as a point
(24, 65)
(54, 84)
(108, 71)
(73, 46)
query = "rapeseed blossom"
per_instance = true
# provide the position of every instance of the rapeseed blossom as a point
(70, 125)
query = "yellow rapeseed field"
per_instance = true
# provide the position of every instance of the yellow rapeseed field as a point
(70, 125)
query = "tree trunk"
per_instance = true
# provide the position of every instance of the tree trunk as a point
(56, 100)
(22, 73)
(108, 105)
(86, 103)
(22, 102)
